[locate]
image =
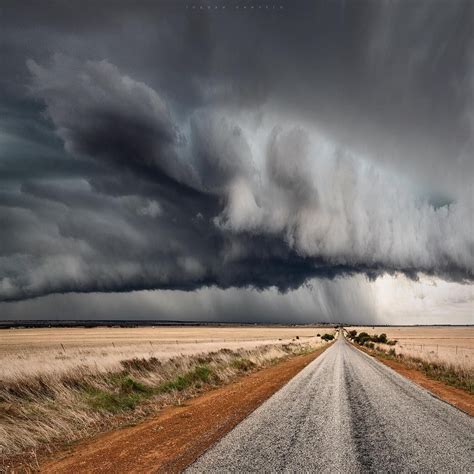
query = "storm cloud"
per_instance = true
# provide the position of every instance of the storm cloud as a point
(331, 139)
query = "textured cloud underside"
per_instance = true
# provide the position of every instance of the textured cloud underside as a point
(217, 197)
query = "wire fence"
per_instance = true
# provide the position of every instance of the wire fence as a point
(436, 348)
(171, 342)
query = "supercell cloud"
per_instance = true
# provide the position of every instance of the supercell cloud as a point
(332, 140)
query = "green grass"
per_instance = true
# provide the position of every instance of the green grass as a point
(199, 375)
(122, 393)
(103, 400)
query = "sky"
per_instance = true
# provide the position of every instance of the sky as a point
(237, 160)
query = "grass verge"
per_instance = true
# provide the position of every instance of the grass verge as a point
(446, 373)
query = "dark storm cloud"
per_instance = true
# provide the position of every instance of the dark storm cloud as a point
(102, 114)
(323, 300)
(179, 149)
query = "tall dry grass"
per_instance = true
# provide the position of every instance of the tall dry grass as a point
(30, 351)
(42, 410)
(60, 358)
(455, 368)
(460, 357)
(442, 353)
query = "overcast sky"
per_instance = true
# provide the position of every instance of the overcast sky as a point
(221, 160)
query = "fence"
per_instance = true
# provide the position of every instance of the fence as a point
(435, 348)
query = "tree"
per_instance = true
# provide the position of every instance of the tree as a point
(362, 338)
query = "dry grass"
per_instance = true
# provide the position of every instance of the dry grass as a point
(453, 346)
(46, 350)
(52, 407)
(442, 353)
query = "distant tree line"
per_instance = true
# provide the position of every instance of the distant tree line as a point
(326, 337)
(365, 339)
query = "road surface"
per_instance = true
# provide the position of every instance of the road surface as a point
(346, 412)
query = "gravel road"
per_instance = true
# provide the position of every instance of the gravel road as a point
(346, 412)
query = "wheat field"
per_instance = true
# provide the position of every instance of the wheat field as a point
(61, 385)
(443, 344)
(39, 351)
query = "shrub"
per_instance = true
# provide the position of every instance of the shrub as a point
(129, 385)
(362, 338)
(327, 337)
(123, 394)
(202, 373)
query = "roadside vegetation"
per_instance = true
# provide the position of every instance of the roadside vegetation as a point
(50, 409)
(365, 339)
(452, 372)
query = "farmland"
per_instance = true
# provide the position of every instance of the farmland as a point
(444, 354)
(63, 384)
(453, 345)
(46, 350)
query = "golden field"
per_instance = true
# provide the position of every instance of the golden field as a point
(45, 350)
(447, 344)
(63, 384)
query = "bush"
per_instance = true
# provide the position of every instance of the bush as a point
(201, 374)
(124, 394)
(327, 337)
(352, 334)
(362, 338)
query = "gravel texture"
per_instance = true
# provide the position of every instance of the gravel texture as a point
(346, 412)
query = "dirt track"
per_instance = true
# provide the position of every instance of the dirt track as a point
(179, 435)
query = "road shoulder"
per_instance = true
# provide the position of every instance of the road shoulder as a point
(454, 396)
(180, 434)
